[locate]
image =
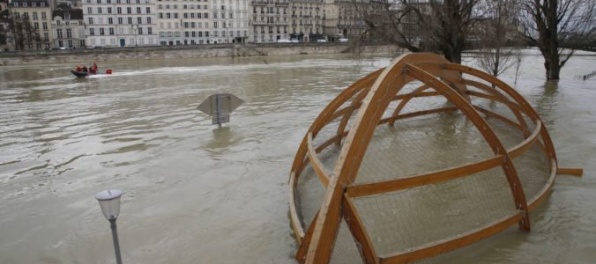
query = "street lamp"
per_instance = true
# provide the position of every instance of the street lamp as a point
(109, 201)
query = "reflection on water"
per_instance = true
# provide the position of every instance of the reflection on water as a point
(195, 193)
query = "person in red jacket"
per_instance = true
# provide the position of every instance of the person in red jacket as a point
(93, 69)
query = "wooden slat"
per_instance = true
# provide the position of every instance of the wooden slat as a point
(418, 113)
(546, 189)
(424, 179)
(521, 101)
(304, 243)
(523, 146)
(316, 164)
(327, 225)
(571, 171)
(295, 221)
(487, 132)
(462, 240)
(359, 231)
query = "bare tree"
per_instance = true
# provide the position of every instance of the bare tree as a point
(556, 27)
(499, 48)
(423, 25)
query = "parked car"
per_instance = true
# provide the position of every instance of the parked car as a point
(343, 40)
(283, 41)
(321, 40)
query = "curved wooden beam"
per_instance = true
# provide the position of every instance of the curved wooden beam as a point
(488, 134)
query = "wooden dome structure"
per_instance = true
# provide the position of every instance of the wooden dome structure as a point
(415, 160)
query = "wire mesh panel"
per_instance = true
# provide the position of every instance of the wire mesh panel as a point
(414, 161)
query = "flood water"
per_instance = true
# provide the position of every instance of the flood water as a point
(196, 193)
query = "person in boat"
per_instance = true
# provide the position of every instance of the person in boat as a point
(84, 69)
(93, 69)
(79, 68)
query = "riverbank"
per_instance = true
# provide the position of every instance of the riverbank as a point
(179, 52)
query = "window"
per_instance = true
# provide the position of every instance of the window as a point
(130, 20)
(45, 25)
(99, 10)
(101, 31)
(43, 15)
(129, 10)
(89, 10)
(119, 10)
(148, 10)
(99, 1)
(138, 10)
(139, 20)
(140, 31)
(214, 24)
(109, 10)
(34, 15)
(69, 33)
(149, 31)
(110, 20)
(59, 33)
(120, 20)
(92, 32)
(148, 20)
(111, 31)
(90, 21)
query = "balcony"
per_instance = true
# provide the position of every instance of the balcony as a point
(259, 2)
(259, 23)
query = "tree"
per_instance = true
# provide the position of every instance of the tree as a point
(424, 25)
(499, 48)
(552, 25)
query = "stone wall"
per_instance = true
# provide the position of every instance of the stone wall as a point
(173, 52)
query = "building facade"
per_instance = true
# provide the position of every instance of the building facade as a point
(270, 20)
(32, 21)
(230, 21)
(307, 18)
(120, 23)
(184, 22)
(68, 27)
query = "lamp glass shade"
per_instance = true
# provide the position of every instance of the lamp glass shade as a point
(109, 200)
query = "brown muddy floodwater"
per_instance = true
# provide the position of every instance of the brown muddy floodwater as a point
(196, 193)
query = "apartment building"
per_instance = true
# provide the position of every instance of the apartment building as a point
(32, 24)
(183, 22)
(230, 21)
(6, 36)
(68, 27)
(270, 20)
(120, 23)
(307, 17)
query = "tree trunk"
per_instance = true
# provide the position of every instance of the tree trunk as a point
(552, 66)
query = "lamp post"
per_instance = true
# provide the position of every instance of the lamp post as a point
(109, 201)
